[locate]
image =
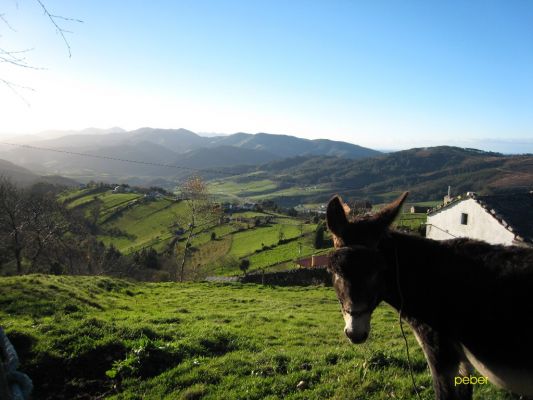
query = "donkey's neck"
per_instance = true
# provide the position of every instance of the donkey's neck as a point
(423, 278)
(474, 293)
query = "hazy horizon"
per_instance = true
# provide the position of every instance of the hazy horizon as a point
(501, 145)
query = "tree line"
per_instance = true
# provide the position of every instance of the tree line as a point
(40, 234)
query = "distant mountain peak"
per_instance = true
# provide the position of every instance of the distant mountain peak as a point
(179, 131)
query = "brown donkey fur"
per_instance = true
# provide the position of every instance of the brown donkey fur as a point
(469, 303)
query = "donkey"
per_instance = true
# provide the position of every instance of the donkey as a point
(469, 303)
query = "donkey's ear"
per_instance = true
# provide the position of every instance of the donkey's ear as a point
(387, 214)
(336, 216)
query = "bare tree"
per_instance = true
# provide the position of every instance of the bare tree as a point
(48, 225)
(36, 231)
(18, 57)
(13, 219)
(202, 212)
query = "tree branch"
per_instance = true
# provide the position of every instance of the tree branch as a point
(14, 57)
(3, 18)
(59, 29)
(12, 86)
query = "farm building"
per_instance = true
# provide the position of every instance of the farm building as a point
(313, 261)
(497, 219)
(122, 189)
(419, 209)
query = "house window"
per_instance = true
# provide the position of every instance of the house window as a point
(464, 219)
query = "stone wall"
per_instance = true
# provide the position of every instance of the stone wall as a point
(295, 277)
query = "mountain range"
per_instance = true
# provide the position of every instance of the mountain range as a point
(425, 172)
(163, 157)
(155, 147)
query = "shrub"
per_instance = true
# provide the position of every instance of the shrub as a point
(244, 265)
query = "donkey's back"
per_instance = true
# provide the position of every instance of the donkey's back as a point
(493, 306)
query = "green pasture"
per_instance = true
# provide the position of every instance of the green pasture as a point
(291, 192)
(146, 224)
(248, 241)
(252, 214)
(260, 189)
(111, 200)
(82, 201)
(282, 253)
(233, 188)
(220, 231)
(96, 337)
(411, 221)
(68, 195)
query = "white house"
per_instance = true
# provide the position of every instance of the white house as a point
(498, 219)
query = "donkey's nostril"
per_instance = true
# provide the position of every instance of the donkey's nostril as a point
(356, 337)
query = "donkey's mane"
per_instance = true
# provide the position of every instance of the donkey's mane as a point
(473, 253)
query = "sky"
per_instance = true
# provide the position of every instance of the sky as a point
(382, 74)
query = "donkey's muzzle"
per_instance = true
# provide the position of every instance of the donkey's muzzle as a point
(356, 337)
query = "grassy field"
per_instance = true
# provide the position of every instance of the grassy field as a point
(410, 221)
(96, 337)
(247, 242)
(282, 253)
(228, 187)
(260, 189)
(146, 223)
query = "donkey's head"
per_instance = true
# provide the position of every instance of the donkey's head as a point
(356, 264)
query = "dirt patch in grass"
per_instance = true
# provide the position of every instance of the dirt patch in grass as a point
(80, 377)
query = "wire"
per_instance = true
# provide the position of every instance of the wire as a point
(443, 230)
(154, 164)
(401, 324)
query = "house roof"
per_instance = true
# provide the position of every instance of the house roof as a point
(313, 261)
(513, 211)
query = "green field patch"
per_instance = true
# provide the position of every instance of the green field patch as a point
(220, 231)
(293, 191)
(231, 187)
(73, 194)
(250, 214)
(250, 240)
(82, 201)
(411, 221)
(287, 252)
(148, 223)
(111, 200)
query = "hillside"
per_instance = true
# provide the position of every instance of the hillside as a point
(426, 172)
(289, 146)
(148, 146)
(132, 222)
(225, 155)
(95, 337)
(25, 177)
